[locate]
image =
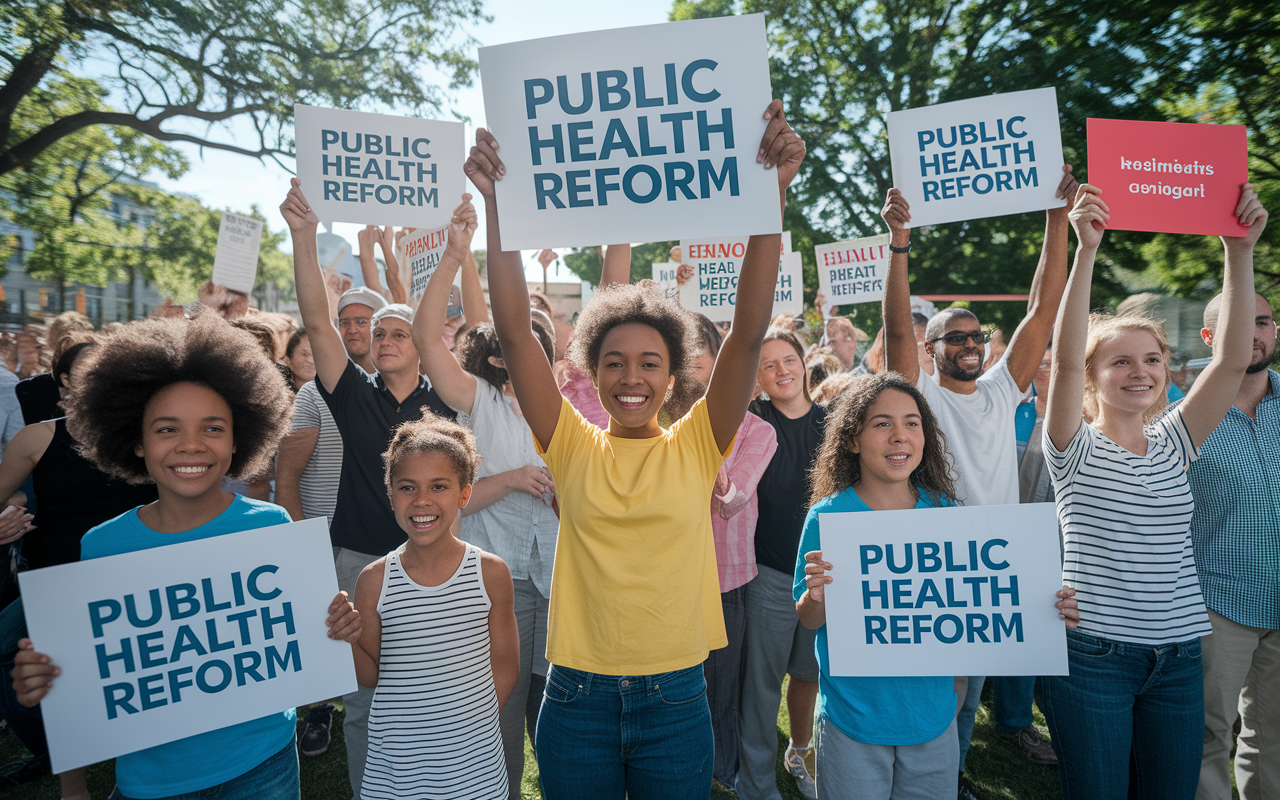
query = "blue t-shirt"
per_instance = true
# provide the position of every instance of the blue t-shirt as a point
(883, 711)
(206, 759)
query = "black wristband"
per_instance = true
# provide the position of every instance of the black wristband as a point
(906, 249)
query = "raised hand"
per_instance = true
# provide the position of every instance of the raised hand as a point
(896, 212)
(816, 577)
(781, 146)
(483, 167)
(1089, 216)
(462, 228)
(365, 238)
(1066, 190)
(1250, 212)
(297, 211)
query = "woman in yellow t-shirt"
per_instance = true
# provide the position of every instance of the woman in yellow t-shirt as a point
(635, 599)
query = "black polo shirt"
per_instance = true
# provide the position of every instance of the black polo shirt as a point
(366, 413)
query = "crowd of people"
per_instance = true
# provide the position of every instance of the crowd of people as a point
(605, 535)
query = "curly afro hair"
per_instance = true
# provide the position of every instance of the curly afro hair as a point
(644, 303)
(433, 434)
(128, 369)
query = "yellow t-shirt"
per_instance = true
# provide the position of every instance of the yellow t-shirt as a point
(634, 590)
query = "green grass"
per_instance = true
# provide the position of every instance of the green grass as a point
(995, 765)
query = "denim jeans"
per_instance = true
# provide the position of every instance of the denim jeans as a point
(1013, 698)
(273, 779)
(27, 723)
(968, 711)
(645, 737)
(1126, 700)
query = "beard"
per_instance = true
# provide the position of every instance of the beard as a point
(952, 369)
(1263, 361)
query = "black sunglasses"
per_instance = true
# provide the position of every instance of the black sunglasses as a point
(958, 339)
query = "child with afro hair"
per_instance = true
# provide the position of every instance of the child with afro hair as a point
(182, 404)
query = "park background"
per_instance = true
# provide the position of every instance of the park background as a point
(126, 126)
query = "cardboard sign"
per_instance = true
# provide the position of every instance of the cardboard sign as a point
(235, 262)
(665, 276)
(977, 158)
(420, 253)
(632, 135)
(853, 271)
(165, 643)
(1169, 177)
(378, 169)
(967, 590)
(713, 289)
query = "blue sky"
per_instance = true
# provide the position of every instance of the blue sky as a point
(223, 180)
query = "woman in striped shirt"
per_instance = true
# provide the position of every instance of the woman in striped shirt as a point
(1136, 682)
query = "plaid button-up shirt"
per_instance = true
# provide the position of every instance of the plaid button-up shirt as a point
(1236, 527)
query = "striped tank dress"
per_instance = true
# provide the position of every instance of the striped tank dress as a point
(433, 726)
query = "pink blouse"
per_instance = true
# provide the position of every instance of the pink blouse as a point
(734, 513)
(581, 393)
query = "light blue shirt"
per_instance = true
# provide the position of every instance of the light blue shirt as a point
(206, 759)
(882, 711)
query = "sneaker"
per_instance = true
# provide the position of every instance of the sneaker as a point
(1037, 748)
(794, 759)
(315, 737)
(966, 791)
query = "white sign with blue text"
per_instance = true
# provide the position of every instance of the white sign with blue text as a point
(982, 157)
(379, 169)
(966, 590)
(165, 643)
(632, 135)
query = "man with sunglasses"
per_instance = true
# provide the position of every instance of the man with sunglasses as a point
(976, 410)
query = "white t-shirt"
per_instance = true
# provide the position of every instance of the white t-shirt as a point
(980, 434)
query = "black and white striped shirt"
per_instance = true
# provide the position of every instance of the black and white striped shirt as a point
(1126, 522)
(433, 726)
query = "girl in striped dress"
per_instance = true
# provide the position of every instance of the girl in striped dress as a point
(1136, 689)
(440, 643)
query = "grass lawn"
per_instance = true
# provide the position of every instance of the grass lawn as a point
(996, 766)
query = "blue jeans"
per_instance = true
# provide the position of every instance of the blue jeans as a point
(1125, 700)
(273, 779)
(1013, 698)
(27, 723)
(968, 710)
(646, 737)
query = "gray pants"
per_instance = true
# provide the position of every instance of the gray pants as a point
(776, 645)
(531, 619)
(849, 769)
(1241, 676)
(355, 726)
(723, 672)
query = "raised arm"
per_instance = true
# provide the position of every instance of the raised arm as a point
(1071, 330)
(313, 297)
(395, 282)
(527, 364)
(1026, 348)
(368, 264)
(733, 379)
(1215, 390)
(474, 311)
(617, 266)
(899, 331)
(455, 386)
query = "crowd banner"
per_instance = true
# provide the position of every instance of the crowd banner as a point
(713, 289)
(1169, 177)
(853, 271)
(235, 262)
(983, 157)
(665, 276)
(420, 252)
(965, 590)
(632, 135)
(379, 169)
(162, 644)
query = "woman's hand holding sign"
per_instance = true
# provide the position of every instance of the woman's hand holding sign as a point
(1068, 607)
(484, 168)
(344, 621)
(811, 607)
(33, 674)
(781, 147)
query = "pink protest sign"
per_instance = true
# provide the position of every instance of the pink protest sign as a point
(1169, 177)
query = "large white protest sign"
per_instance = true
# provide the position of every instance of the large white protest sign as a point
(967, 590)
(235, 262)
(420, 252)
(632, 135)
(713, 289)
(983, 157)
(378, 169)
(853, 271)
(162, 644)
